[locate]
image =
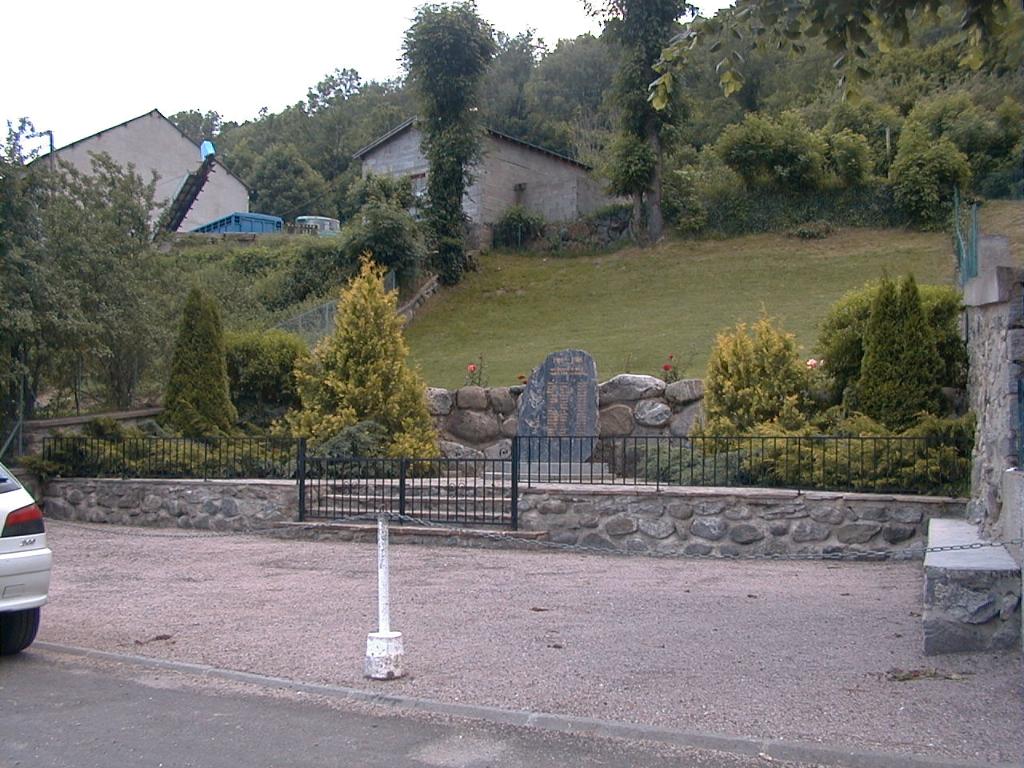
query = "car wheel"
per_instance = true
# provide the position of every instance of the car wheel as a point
(18, 630)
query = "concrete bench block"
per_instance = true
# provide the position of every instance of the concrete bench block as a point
(971, 596)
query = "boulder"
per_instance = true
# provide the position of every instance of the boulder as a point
(685, 391)
(682, 423)
(651, 413)
(472, 398)
(473, 426)
(615, 421)
(501, 400)
(439, 401)
(629, 386)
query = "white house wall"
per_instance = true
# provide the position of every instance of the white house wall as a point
(151, 143)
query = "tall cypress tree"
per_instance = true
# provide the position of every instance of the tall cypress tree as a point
(196, 401)
(901, 371)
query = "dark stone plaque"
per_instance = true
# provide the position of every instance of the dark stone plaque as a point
(560, 401)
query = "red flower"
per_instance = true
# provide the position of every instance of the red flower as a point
(471, 367)
(667, 367)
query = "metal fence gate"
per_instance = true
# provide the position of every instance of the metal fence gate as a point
(458, 491)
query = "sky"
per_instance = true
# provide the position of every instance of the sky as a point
(83, 67)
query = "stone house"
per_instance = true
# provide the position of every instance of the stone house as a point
(511, 172)
(151, 142)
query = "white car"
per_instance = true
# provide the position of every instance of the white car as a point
(24, 565)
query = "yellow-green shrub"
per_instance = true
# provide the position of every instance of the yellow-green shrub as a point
(360, 373)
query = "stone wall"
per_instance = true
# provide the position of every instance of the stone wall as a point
(219, 505)
(731, 521)
(995, 344)
(481, 422)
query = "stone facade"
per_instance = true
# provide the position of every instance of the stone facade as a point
(511, 172)
(218, 505)
(731, 521)
(481, 422)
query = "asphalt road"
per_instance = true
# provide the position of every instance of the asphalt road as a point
(62, 711)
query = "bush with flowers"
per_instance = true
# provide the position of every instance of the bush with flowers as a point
(475, 374)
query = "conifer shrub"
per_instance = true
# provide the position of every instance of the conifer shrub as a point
(841, 338)
(901, 371)
(197, 402)
(261, 373)
(360, 373)
(754, 376)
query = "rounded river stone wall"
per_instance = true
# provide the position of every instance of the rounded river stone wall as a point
(478, 422)
(732, 521)
(217, 505)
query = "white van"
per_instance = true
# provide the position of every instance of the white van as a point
(325, 226)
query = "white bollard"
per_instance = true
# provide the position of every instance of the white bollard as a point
(383, 647)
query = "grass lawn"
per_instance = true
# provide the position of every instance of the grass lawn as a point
(1005, 217)
(632, 308)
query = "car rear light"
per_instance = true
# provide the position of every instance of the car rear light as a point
(24, 521)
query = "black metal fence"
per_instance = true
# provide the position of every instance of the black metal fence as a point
(484, 491)
(207, 458)
(880, 464)
(461, 491)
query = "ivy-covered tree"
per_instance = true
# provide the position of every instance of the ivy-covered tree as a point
(641, 29)
(446, 53)
(197, 402)
(902, 371)
(359, 374)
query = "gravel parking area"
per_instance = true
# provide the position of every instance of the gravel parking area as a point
(802, 651)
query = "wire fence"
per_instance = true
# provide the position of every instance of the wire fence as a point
(965, 238)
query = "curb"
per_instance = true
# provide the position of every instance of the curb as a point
(805, 752)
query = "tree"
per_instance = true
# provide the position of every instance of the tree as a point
(101, 222)
(336, 86)
(925, 173)
(991, 33)
(284, 184)
(197, 402)
(779, 153)
(446, 53)
(901, 371)
(198, 125)
(641, 29)
(32, 312)
(360, 374)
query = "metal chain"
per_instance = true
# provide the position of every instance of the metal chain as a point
(515, 542)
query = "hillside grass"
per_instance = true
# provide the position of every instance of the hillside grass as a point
(632, 308)
(1005, 217)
